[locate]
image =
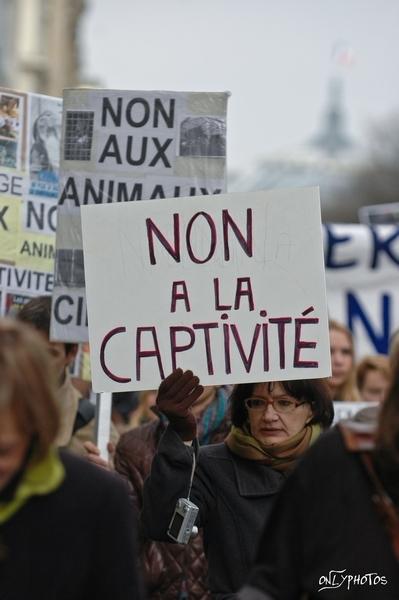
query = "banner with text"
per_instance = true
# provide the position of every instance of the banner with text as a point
(30, 134)
(362, 276)
(121, 146)
(231, 286)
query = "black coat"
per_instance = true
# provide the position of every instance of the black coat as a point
(76, 543)
(325, 521)
(234, 496)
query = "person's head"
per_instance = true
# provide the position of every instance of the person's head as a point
(37, 313)
(394, 351)
(342, 381)
(387, 442)
(278, 410)
(28, 413)
(373, 376)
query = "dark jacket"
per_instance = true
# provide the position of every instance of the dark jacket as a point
(168, 568)
(234, 496)
(325, 521)
(75, 543)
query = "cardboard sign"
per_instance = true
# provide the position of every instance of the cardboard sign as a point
(362, 276)
(124, 146)
(30, 135)
(231, 286)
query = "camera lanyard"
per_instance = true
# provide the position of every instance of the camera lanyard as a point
(195, 447)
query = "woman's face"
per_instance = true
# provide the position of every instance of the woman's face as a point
(271, 427)
(375, 386)
(13, 446)
(341, 358)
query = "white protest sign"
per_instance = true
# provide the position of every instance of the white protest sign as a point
(362, 277)
(231, 286)
(123, 146)
(347, 410)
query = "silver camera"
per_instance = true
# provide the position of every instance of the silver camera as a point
(181, 526)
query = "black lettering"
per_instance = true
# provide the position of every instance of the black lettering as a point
(2, 221)
(111, 150)
(136, 193)
(160, 155)
(69, 192)
(107, 108)
(157, 192)
(129, 149)
(168, 118)
(146, 114)
(92, 193)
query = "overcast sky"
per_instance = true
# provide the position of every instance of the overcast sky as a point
(274, 56)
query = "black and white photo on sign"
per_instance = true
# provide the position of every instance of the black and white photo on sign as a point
(45, 139)
(203, 136)
(69, 268)
(78, 135)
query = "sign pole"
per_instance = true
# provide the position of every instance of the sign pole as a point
(103, 421)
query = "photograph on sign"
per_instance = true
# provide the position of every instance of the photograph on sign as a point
(230, 285)
(45, 145)
(11, 118)
(124, 146)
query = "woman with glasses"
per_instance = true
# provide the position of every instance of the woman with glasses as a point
(235, 482)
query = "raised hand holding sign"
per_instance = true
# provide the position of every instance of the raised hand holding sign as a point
(176, 395)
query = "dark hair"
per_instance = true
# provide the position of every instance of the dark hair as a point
(37, 312)
(313, 391)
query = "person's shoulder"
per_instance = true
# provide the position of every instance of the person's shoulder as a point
(215, 451)
(84, 476)
(134, 439)
(328, 451)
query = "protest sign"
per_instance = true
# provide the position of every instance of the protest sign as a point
(347, 410)
(121, 146)
(30, 129)
(229, 285)
(362, 277)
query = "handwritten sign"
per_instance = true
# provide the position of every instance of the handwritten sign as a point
(231, 286)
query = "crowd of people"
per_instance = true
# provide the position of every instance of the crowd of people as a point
(287, 506)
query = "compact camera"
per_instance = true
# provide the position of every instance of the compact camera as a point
(181, 526)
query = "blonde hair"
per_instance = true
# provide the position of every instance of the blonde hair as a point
(372, 363)
(27, 383)
(346, 391)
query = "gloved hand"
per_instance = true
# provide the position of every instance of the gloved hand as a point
(176, 394)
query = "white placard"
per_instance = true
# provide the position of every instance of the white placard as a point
(127, 146)
(347, 410)
(362, 276)
(231, 286)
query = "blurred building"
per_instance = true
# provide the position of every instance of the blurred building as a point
(330, 159)
(39, 44)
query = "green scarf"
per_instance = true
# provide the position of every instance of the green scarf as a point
(39, 479)
(281, 456)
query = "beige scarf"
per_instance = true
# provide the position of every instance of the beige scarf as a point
(281, 456)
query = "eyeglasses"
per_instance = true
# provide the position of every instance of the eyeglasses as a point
(280, 405)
